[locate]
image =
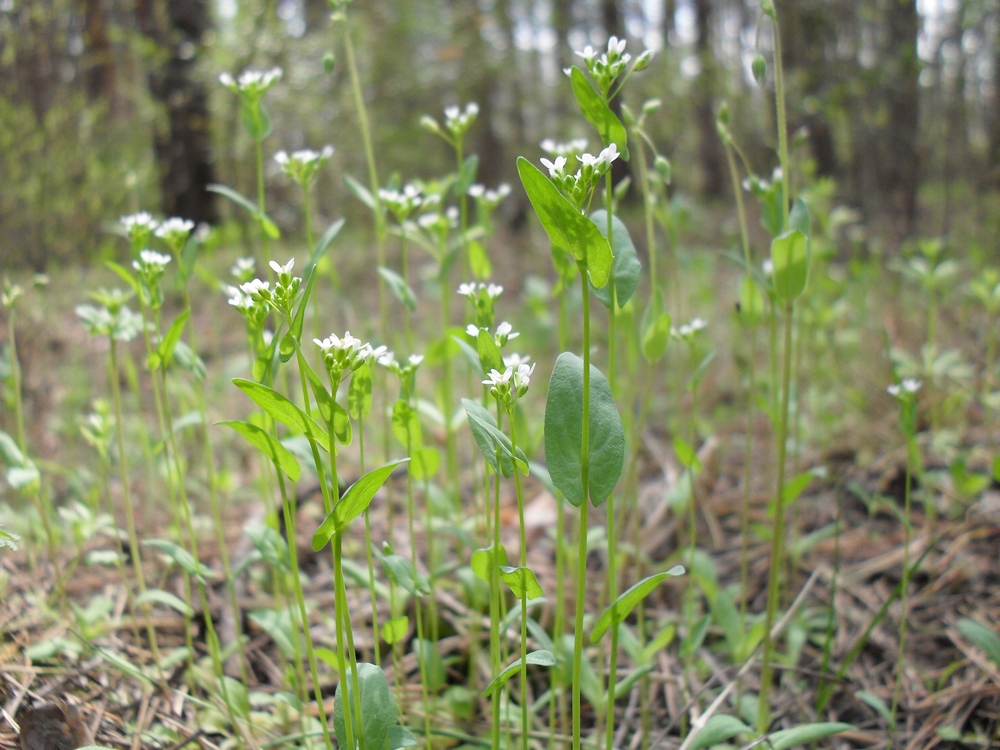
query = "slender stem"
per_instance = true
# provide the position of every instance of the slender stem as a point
(778, 535)
(340, 615)
(261, 203)
(368, 547)
(581, 562)
(911, 450)
(779, 97)
(133, 538)
(525, 703)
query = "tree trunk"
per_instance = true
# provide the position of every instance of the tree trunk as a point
(710, 148)
(184, 151)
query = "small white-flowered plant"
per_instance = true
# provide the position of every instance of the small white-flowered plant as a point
(151, 259)
(243, 269)
(403, 202)
(504, 333)
(303, 166)
(259, 291)
(174, 232)
(251, 83)
(508, 386)
(456, 122)
(515, 360)
(139, 227)
(567, 149)
(688, 331)
(907, 388)
(342, 354)
(488, 199)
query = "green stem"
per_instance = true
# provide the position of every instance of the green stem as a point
(911, 446)
(581, 562)
(261, 203)
(133, 538)
(525, 703)
(778, 535)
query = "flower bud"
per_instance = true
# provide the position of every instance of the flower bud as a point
(651, 105)
(627, 117)
(643, 61)
(759, 68)
(662, 167)
(329, 60)
(429, 124)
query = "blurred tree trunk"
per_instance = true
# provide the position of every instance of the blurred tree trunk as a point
(898, 166)
(611, 18)
(994, 114)
(184, 151)
(710, 147)
(99, 69)
(669, 18)
(808, 38)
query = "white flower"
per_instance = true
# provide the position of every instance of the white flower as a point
(174, 231)
(907, 387)
(522, 376)
(243, 266)
(467, 289)
(256, 288)
(555, 168)
(141, 219)
(616, 46)
(386, 359)
(589, 160)
(238, 299)
(226, 79)
(587, 54)
(505, 333)
(472, 330)
(452, 113)
(476, 191)
(282, 270)
(153, 258)
(768, 267)
(494, 290)
(609, 154)
(515, 360)
(496, 378)
(415, 359)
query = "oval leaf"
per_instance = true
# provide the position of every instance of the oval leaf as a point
(283, 410)
(269, 445)
(626, 602)
(626, 268)
(564, 432)
(521, 581)
(598, 113)
(354, 502)
(566, 227)
(790, 260)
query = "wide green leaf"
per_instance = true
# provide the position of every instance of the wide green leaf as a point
(394, 630)
(267, 226)
(483, 561)
(540, 658)
(269, 445)
(159, 596)
(626, 602)
(489, 439)
(521, 581)
(566, 227)
(283, 410)
(564, 432)
(790, 261)
(489, 353)
(805, 734)
(598, 113)
(985, 638)
(626, 268)
(378, 708)
(354, 502)
(718, 729)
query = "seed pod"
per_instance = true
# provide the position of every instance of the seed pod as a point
(759, 68)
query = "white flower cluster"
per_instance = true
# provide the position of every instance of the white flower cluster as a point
(590, 170)
(489, 199)
(151, 261)
(689, 330)
(138, 227)
(612, 63)
(243, 269)
(403, 202)
(508, 386)
(345, 354)
(905, 389)
(503, 334)
(251, 82)
(458, 120)
(472, 290)
(302, 166)
(566, 149)
(174, 232)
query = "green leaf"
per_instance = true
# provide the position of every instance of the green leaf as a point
(521, 581)
(354, 502)
(406, 426)
(489, 353)
(379, 712)
(426, 462)
(270, 544)
(540, 658)
(876, 703)
(269, 445)
(718, 729)
(751, 301)
(466, 178)
(327, 239)
(359, 191)
(400, 737)
(180, 556)
(566, 227)
(479, 261)
(394, 630)
(359, 395)
(23, 477)
(397, 285)
(626, 268)
(482, 562)
(803, 735)
(627, 601)
(268, 226)
(982, 636)
(798, 218)
(489, 438)
(790, 259)
(564, 432)
(125, 275)
(598, 113)
(11, 454)
(401, 572)
(278, 625)
(283, 410)
(686, 454)
(159, 596)
(655, 327)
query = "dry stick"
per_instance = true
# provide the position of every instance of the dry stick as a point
(702, 720)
